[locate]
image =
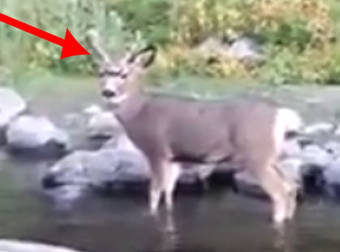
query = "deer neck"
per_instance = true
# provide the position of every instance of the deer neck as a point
(131, 107)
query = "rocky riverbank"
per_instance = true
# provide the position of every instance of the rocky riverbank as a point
(312, 159)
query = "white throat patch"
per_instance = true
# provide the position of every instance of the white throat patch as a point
(117, 100)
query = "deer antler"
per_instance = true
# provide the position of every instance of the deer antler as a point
(93, 39)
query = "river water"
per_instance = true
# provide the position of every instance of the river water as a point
(218, 220)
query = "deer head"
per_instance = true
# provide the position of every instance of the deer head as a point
(120, 78)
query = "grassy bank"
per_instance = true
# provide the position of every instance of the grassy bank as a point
(299, 37)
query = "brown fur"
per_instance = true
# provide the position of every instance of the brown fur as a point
(171, 130)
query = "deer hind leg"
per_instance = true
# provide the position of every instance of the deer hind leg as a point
(292, 188)
(172, 173)
(155, 193)
(276, 187)
(292, 204)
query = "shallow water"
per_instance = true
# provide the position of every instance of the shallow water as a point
(211, 222)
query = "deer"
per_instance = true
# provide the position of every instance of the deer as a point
(171, 130)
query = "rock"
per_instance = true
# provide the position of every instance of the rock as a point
(213, 47)
(28, 246)
(70, 170)
(246, 49)
(333, 148)
(314, 155)
(122, 142)
(292, 168)
(319, 128)
(36, 134)
(98, 169)
(292, 148)
(73, 121)
(248, 184)
(337, 131)
(242, 48)
(192, 173)
(332, 178)
(65, 196)
(103, 125)
(116, 165)
(11, 105)
(332, 173)
(92, 110)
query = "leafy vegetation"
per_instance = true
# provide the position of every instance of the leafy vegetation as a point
(299, 37)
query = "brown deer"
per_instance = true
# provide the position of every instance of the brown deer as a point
(172, 130)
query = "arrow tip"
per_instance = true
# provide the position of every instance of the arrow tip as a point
(72, 47)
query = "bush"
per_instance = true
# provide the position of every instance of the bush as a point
(298, 36)
(149, 17)
(33, 53)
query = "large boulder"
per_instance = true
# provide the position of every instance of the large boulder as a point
(292, 148)
(117, 165)
(243, 48)
(11, 105)
(100, 169)
(333, 148)
(332, 178)
(102, 124)
(320, 128)
(122, 142)
(28, 246)
(316, 156)
(112, 168)
(246, 49)
(36, 134)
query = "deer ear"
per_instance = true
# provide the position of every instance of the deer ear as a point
(144, 57)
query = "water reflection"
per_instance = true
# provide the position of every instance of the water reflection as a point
(170, 237)
(281, 239)
(211, 222)
(284, 237)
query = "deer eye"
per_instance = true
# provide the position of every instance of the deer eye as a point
(109, 73)
(123, 75)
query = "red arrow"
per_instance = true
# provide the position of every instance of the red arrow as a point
(70, 45)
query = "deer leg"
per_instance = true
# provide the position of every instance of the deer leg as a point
(292, 191)
(292, 204)
(156, 185)
(292, 199)
(155, 193)
(274, 185)
(172, 173)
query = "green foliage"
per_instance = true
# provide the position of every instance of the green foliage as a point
(32, 53)
(148, 17)
(289, 33)
(299, 36)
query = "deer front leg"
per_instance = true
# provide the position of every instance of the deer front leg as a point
(164, 178)
(156, 185)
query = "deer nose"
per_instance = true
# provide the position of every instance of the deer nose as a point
(108, 93)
